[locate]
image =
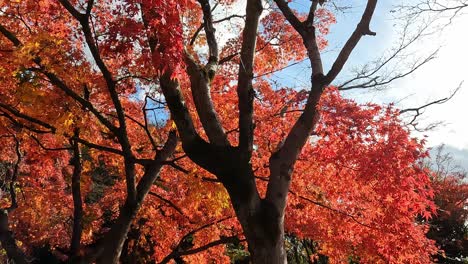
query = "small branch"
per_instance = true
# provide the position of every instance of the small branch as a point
(418, 111)
(439, 101)
(199, 29)
(176, 249)
(21, 125)
(98, 147)
(177, 167)
(221, 241)
(228, 58)
(18, 114)
(144, 126)
(10, 36)
(171, 204)
(46, 148)
(352, 217)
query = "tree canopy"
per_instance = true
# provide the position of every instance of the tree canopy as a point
(140, 132)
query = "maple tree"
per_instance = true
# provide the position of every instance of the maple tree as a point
(449, 227)
(94, 171)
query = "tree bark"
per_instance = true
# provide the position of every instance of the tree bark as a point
(77, 201)
(115, 238)
(9, 242)
(265, 235)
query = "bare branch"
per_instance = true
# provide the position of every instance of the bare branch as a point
(382, 81)
(418, 111)
(391, 67)
(361, 30)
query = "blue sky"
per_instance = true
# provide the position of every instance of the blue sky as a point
(434, 80)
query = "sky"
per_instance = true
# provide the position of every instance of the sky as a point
(434, 80)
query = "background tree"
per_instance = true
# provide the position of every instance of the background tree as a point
(449, 226)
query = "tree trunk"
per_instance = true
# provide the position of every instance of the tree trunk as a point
(265, 236)
(261, 221)
(115, 239)
(8, 241)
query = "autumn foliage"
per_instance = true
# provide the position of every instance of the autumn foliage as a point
(78, 76)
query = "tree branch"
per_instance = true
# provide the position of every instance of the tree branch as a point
(361, 30)
(98, 147)
(283, 160)
(209, 31)
(77, 201)
(169, 202)
(17, 113)
(172, 93)
(245, 91)
(200, 80)
(418, 111)
(121, 132)
(176, 249)
(290, 16)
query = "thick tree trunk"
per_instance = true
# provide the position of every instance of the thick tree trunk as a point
(114, 241)
(271, 253)
(265, 245)
(261, 220)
